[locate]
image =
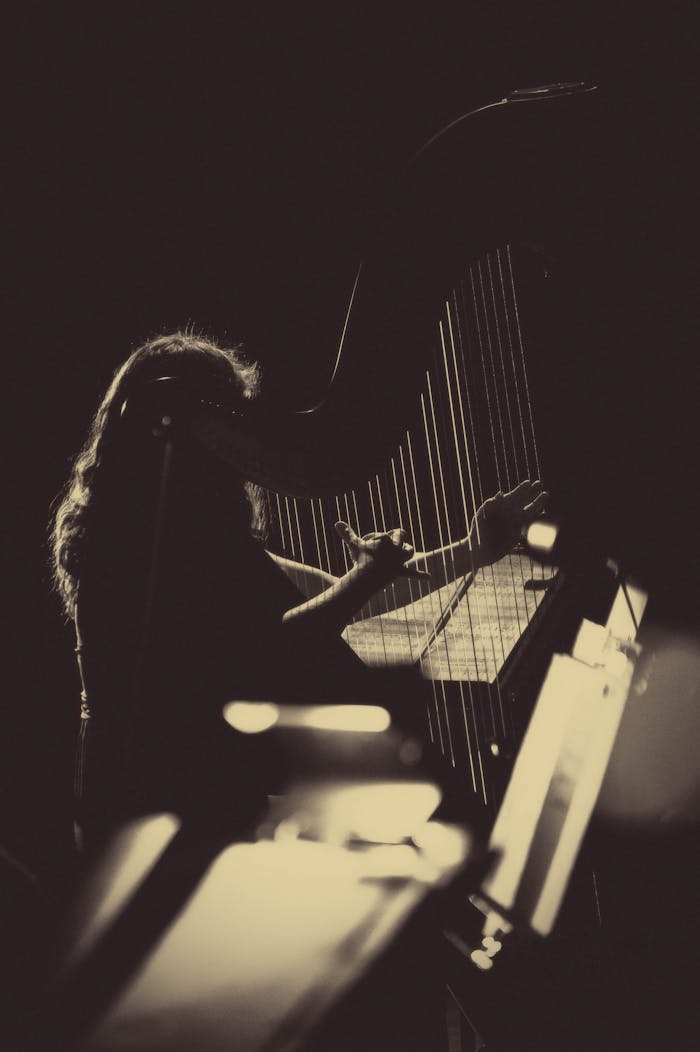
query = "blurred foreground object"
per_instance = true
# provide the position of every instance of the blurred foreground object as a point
(559, 772)
(272, 938)
(318, 933)
(654, 774)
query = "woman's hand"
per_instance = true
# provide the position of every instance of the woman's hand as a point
(499, 522)
(379, 560)
(384, 553)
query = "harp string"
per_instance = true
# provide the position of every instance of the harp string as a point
(487, 392)
(457, 471)
(493, 403)
(356, 524)
(468, 425)
(428, 650)
(467, 428)
(421, 537)
(316, 535)
(436, 505)
(517, 476)
(379, 525)
(286, 546)
(460, 465)
(499, 345)
(475, 488)
(456, 628)
(446, 535)
(514, 382)
(486, 339)
(371, 613)
(519, 336)
(299, 535)
(415, 586)
(522, 386)
(449, 653)
(469, 506)
(295, 554)
(324, 534)
(488, 573)
(436, 683)
(369, 619)
(483, 342)
(516, 385)
(415, 592)
(371, 609)
(392, 519)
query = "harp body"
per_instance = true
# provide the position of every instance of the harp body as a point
(432, 408)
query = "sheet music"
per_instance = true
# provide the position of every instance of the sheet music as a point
(479, 636)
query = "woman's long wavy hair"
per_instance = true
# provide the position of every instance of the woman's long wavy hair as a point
(188, 356)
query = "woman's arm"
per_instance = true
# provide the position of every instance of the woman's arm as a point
(379, 559)
(310, 580)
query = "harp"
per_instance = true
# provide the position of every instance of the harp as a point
(431, 408)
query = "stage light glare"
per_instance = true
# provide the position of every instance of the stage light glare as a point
(361, 718)
(251, 717)
(541, 536)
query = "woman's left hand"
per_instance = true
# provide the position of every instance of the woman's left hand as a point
(387, 553)
(499, 522)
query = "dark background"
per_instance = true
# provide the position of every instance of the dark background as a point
(217, 165)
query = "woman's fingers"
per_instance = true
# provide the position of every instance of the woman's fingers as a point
(391, 547)
(346, 533)
(413, 571)
(525, 491)
(394, 543)
(528, 497)
(536, 507)
(406, 552)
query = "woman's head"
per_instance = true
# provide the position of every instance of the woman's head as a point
(115, 456)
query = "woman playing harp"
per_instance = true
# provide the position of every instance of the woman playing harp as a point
(179, 607)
